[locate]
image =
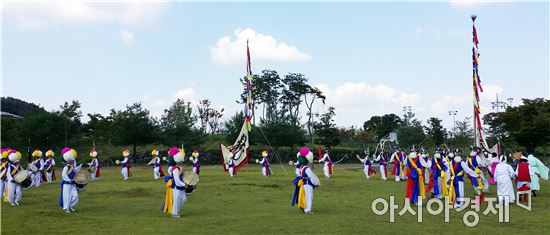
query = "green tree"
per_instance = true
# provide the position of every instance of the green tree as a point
(382, 125)
(436, 131)
(133, 126)
(464, 134)
(529, 123)
(232, 127)
(326, 129)
(70, 113)
(411, 134)
(178, 123)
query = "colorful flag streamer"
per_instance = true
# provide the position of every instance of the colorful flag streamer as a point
(477, 89)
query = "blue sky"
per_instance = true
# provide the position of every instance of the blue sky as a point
(368, 58)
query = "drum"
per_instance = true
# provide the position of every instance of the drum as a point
(191, 179)
(23, 178)
(49, 169)
(92, 169)
(32, 167)
(81, 180)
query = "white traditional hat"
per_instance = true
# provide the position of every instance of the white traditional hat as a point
(14, 156)
(69, 154)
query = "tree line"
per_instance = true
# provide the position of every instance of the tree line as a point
(283, 118)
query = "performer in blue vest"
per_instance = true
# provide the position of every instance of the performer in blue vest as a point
(266, 170)
(458, 169)
(303, 194)
(195, 159)
(15, 192)
(69, 194)
(367, 165)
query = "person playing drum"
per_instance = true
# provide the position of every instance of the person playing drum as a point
(38, 163)
(125, 171)
(69, 195)
(49, 166)
(4, 165)
(94, 165)
(15, 192)
(178, 186)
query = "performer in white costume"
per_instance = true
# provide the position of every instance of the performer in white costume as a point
(367, 165)
(195, 160)
(266, 170)
(125, 171)
(94, 165)
(303, 194)
(327, 166)
(38, 162)
(4, 165)
(49, 166)
(381, 159)
(15, 192)
(178, 187)
(503, 175)
(157, 167)
(69, 195)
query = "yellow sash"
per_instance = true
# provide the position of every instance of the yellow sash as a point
(480, 185)
(301, 195)
(168, 198)
(444, 191)
(420, 178)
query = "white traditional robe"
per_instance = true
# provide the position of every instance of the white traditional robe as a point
(15, 192)
(4, 179)
(308, 189)
(366, 168)
(70, 194)
(178, 196)
(383, 171)
(326, 161)
(49, 175)
(94, 162)
(503, 175)
(231, 168)
(124, 170)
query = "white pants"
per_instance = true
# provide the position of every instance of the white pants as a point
(124, 173)
(49, 177)
(93, 173)
(38, 178)
(326, 170)
(70, 196)
(156, 172)
(3, 185)
(366, 169)
(179, 198)
(231, 171)
(460, 197)
(383, 172)
(264, 171)
(426, 176)
(308, 189)
(14, 192)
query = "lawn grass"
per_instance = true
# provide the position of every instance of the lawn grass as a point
(249, 204)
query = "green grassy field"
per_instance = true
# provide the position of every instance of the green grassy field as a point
(247, 203)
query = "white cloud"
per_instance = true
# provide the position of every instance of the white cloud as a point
(127, 36)
(450, 102)
(355, 102)
(187, 94)
(41, 14)
(263, 48)
(423, 31)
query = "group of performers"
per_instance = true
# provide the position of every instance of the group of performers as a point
(440, 175)
(444, 173)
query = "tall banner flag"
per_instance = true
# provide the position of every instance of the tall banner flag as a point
(479, 136)
(239, 150)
